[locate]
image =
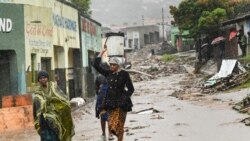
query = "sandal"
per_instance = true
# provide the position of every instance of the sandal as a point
(111, 137)
(103, 136)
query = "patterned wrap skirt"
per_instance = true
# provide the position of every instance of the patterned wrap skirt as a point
(116, 121)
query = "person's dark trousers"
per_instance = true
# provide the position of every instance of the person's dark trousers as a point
(222, 55)
(243, 49)
(200, 56)
(209, 50)
(47, 133)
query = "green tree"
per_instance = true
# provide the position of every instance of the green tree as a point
(241, 7)
(201, 16)
(210, 21)
(186, 14)
(84, 6)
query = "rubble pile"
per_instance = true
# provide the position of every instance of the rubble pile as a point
(244, 107)
(224, 84)
(143, 53)
(231, 74)
(186, 58)
(165, 47)
(155, 69)
(154, 49)
(209, 68)
(189, 86)
(146, 66)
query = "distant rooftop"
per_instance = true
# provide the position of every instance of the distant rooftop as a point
(239, 18)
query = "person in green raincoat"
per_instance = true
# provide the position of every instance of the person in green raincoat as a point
(52, 112)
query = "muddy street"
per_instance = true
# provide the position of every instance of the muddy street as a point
(183, 66)
(166, 117)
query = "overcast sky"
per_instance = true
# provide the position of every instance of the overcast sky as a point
(109, 12)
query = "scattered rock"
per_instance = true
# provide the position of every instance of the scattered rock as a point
(246, 121)
(139, 127)
(133, 121)
(181, 124)
(180, 135)
(145, 137)
(157, 117)
(129, 134)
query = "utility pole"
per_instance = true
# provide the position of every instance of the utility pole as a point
(163, 25)
(142, 20)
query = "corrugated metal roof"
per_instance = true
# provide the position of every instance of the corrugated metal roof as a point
(238, 19)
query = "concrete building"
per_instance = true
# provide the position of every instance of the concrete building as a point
(91, 44)
(105, 30)
(234, 25)
(12, 50)
(45, 35)
(139, 36)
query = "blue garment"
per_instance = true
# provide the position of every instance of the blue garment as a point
(99, 102)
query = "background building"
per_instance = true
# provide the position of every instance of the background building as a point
(139, 36)
(45, 35)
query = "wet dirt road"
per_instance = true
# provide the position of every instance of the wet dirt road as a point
(208, 118)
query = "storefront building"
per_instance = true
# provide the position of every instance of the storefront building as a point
(45, 35)
(12, 50)
(91, 45)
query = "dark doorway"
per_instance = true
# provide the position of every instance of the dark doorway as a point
(60, 70)
(8, 73)
(152, 37)
(136, 43)
(91, 74)
(46, 65)
(74, 73)
(146, 39)
(72, 92)
(157, 36)
(33, 71)
(77, 72)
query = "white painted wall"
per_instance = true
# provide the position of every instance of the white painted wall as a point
(38, 36)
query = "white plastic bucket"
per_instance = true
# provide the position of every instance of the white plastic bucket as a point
(115, 46)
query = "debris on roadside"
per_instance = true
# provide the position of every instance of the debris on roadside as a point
(133, 121)
(139, 127)
(244, 107)
(143, 73)
(146, 137)
(181, 124)
(246, 121)
(156, 117)
(147, 66)
(224, 84)
(148, 111)
(231, 74)
(151, 68)
(209, 68)
(165, 47)
(77, 102)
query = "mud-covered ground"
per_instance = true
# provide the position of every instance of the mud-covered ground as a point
(178, 111)
(193, 117)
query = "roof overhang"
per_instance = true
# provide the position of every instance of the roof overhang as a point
(236, 20)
